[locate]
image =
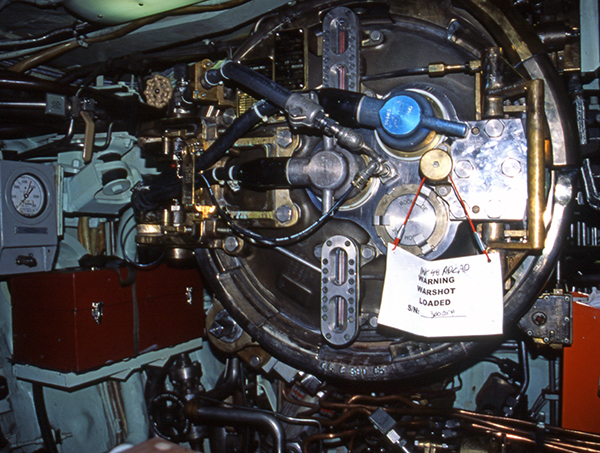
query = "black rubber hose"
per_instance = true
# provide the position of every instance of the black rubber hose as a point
(219, 416)
(259, 174)
(253, 81)
(42, 416)
(239, 128)
(163, 187)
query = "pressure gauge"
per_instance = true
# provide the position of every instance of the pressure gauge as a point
(28, 195)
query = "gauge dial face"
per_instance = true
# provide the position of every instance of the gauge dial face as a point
(28, 195)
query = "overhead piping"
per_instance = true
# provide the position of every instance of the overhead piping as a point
(63, 48)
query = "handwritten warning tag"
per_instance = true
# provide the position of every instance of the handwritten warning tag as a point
(456, 297)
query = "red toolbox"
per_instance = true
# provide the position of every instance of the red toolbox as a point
(77, 321)
(581, 372)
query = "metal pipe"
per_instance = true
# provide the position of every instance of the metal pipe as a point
(536, 163)
(536, 122)
(42, 416)
(553, 403)
(493, 69)
(524, 362)
(231, 383)
(199, 414)
(22, 105)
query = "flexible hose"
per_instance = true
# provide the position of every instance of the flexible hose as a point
(253, 81)
(239, 127)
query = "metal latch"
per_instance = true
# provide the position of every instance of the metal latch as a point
(97, 311)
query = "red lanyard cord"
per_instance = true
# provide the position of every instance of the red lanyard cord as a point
(480, 243)
(402, 228)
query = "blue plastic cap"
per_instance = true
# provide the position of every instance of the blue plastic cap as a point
(400, 116)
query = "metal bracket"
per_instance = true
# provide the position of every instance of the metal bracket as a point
(339, 291)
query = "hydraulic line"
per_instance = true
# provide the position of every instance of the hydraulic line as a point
(303, 112)
(201, 415)
(231, 382)
(239, 127)
(253, 81)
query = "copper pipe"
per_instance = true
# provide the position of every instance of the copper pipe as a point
(349, 433)
(61, 49)
(344, 417)
(83, 233)
(289, 399)
(344, 406)
(356, 399)
(551, 443)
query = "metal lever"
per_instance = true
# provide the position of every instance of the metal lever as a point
(402, 116)
(90, 131)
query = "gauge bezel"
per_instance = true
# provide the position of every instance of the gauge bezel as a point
(45, 184)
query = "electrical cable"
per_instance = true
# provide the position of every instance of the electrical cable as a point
(257, 239)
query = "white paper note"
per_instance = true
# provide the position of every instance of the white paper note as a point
(457, 297)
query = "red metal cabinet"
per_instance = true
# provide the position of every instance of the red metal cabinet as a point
(171, 306)
(54, 325)
(581, 372)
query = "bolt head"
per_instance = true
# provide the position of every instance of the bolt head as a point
(368, 253)
(494, 128)
(376, 35)
(284, 138)
(463, 168)
(255, 361)
(284, 214)
(231, 243)
(511, 167)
